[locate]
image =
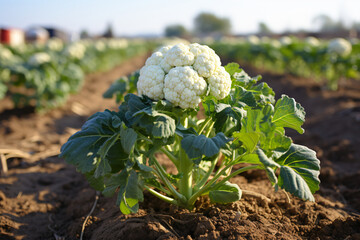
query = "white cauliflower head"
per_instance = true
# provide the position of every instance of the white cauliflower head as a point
(39, 59)
(220, 83)
(206, 60)
(76, 50)
(179, 55)
(312, 41)
(157, 57)
(182, 73)
(55, 44)
(285, 40)
(184, 87)
(151, 82)
(340, 46)
(253, 40)
(5, 54)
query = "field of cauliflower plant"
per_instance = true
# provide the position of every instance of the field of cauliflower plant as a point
(189, 146)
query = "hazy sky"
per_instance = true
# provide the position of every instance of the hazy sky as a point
(133, 17)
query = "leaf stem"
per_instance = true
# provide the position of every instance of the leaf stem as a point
(208, 131)
(163, 175)
(171, 156)
(241, 170)
(161, 196)
(216, 177)
(204, 124)
(202, 182)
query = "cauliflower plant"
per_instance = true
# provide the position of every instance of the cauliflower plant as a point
(55, 44)
(182, 75)
(253, 40)
(76, 50)
(38, 59)
(285, 40)
(5, 54)
(340, 46)
(312, 41)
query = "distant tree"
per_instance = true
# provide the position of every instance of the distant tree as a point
(356, 26)
(109, 33)
(264, 29)
(84, 34)
(176, 31)
(209, 24)
(327, 24)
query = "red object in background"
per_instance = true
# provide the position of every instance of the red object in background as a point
(5, 36)
(12, 36)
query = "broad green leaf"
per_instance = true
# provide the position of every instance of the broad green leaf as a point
(209, 103)
(196, 146)
(252, 120)
(163, 127)
(133, 192)
(83, 148)
(249, 140)
(271, 175)
(128, 138)
(299, 171)
(96, 183)
(123, 208)
(233, 68)
(263, 93)
(226, 193)
(130, 190)
(227, 118)
(288, 113)
(103, 166)
(249, 158)
(118, 87)
(114, 182)
(267, 162)
(244, 97)
(280, 143)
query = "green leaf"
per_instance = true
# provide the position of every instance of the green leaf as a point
(118, 87)
(249, 158)
(243, 96)
(133, 192)
(252, 120)
(288, 113)
(103, 165)
(228, 117)
(271, 175)
(128, 138)
(196, 146)
(299, 172)
(114, 182)
(164, 126)
(226, 193)
(280, 143)
(249, 140)
(86, 148)
(267, 162)
(233, 68)
(96, 183)
(130, 188)
(209, 104)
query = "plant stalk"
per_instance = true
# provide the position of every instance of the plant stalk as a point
(171, 156)
(162, 174)
(161, 196)
(210, 185)
(185, 167)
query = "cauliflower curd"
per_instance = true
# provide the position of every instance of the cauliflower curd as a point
(182, 75)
